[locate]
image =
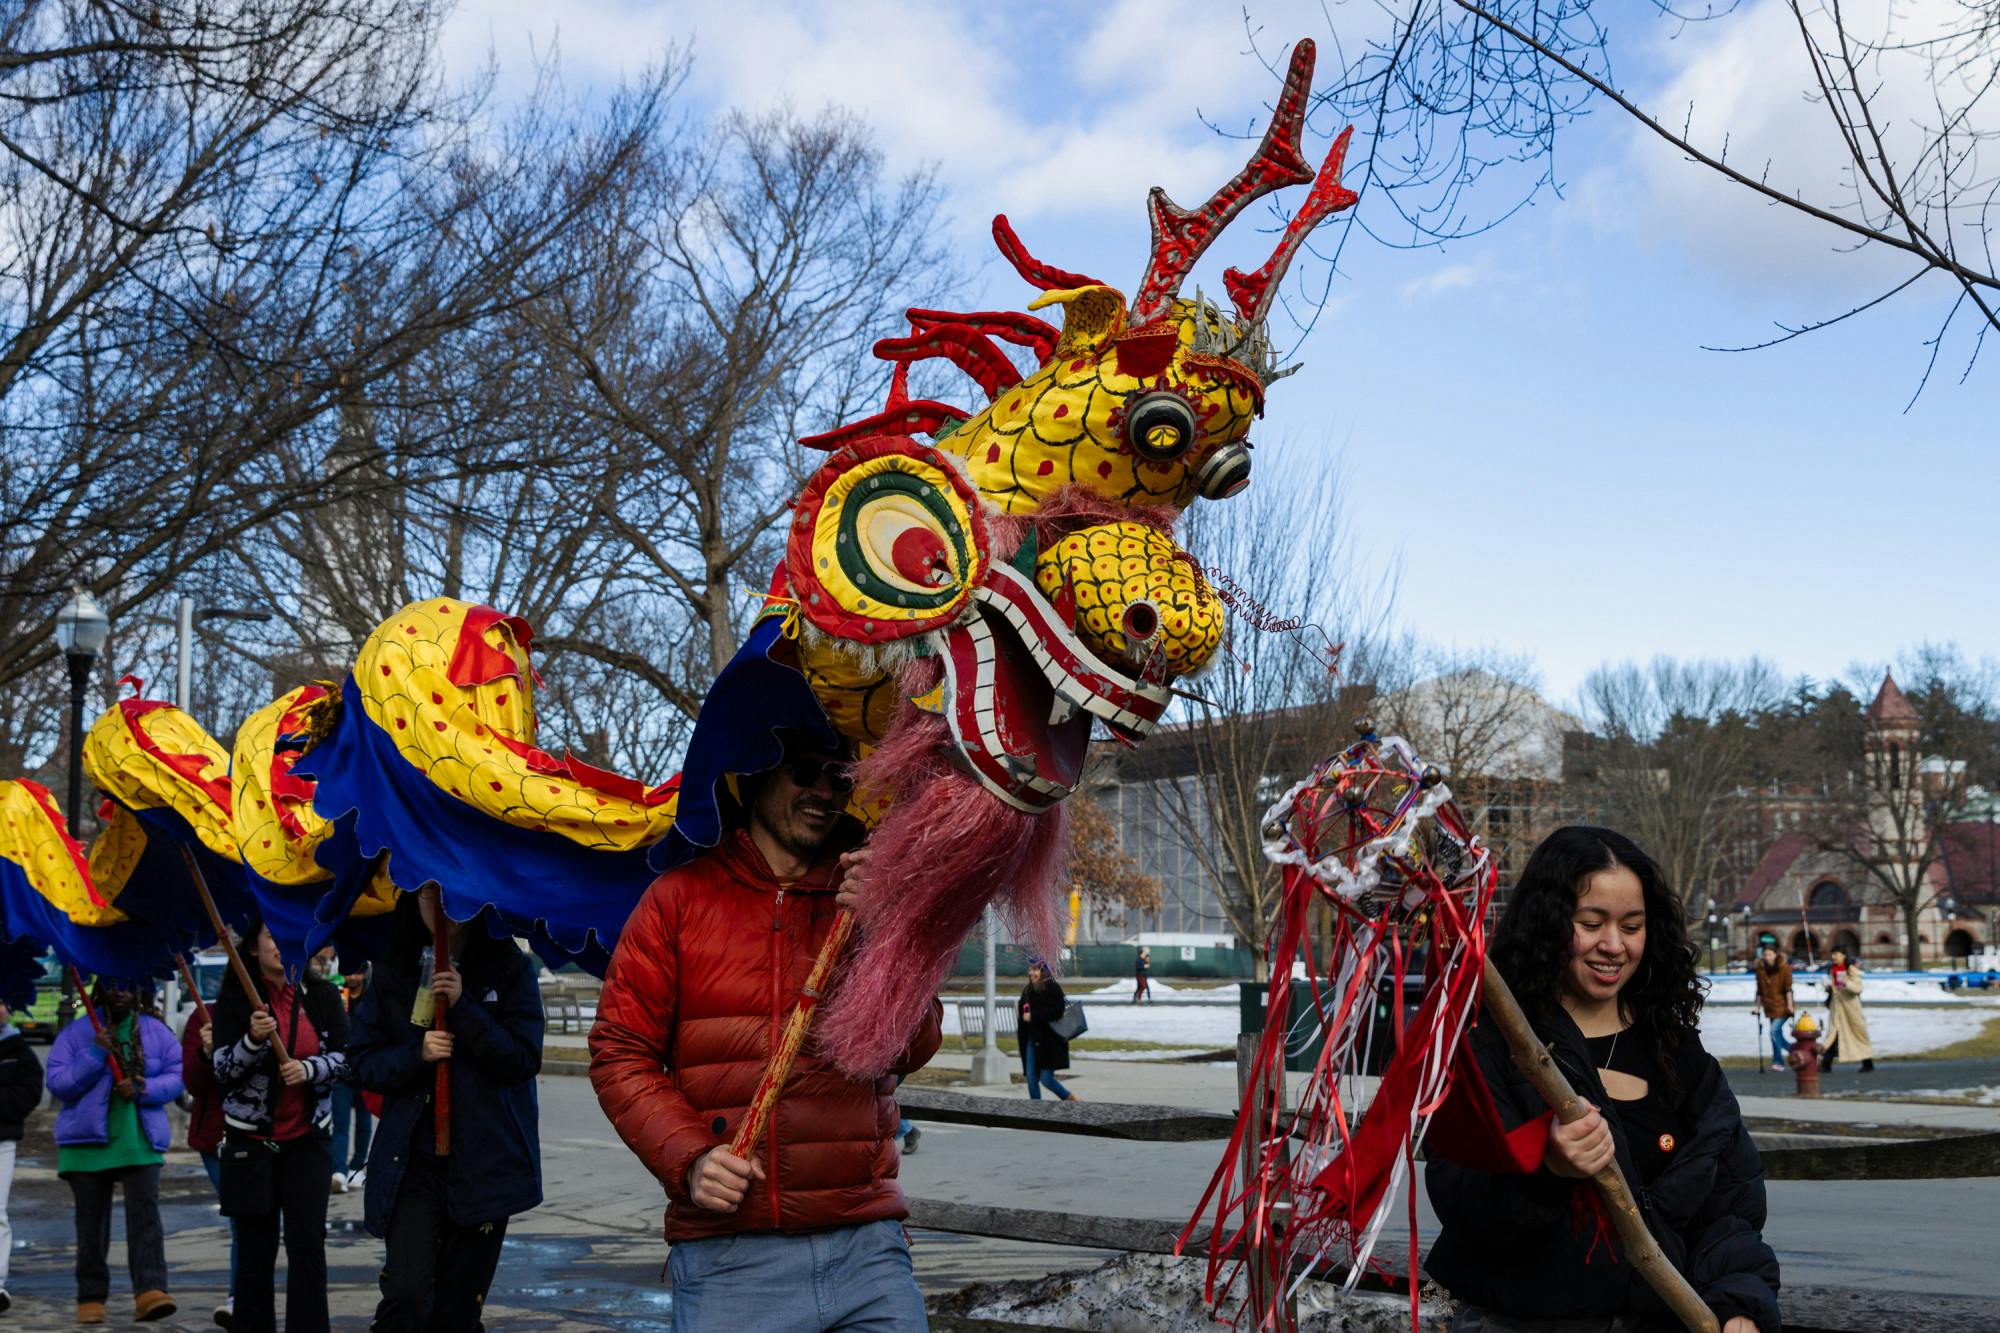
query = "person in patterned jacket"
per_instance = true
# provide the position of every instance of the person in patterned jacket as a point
(278, 1115)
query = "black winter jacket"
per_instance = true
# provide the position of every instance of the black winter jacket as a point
(1044, 1007)
(20, 1086)
(247, 1073)
(495, 1167)
(1522, 1244)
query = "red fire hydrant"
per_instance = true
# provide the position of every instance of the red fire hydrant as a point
(1804, 1055)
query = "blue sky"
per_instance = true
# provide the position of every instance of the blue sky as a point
(1527, 421)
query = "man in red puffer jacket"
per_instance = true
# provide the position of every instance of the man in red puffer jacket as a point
(705, 974)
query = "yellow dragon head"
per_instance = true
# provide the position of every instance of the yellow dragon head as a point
(1029, 547)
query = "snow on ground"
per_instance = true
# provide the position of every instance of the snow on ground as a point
(1976, 1096)
(1207, 1019)
(1160, 992)
(1736, 1029)
(1738, 988)
(1179, 1021)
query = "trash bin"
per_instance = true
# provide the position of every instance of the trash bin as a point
(1308, 1028)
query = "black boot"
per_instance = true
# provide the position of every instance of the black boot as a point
(1867, 1066)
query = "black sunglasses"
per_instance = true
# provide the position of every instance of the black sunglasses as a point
(808, 772)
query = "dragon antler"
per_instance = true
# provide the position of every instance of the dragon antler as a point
(1032, 270)
(1180, 237)
(1253, 293)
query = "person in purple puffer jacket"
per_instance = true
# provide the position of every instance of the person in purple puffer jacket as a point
(112, 1131)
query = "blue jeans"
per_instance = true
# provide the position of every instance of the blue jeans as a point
(854, 1279)
(1778, 1046)
(212, 1164)
(1037, 1078)
(348, 1107)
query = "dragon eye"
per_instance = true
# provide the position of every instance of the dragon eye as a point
(1160, 426)
(1226, 472)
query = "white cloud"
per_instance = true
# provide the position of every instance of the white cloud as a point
(1744, 82)
(1037, 111)
(1449, 277)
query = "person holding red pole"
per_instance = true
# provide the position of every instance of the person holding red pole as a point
(278, 1053)
(114, 1078)
(444, 1217)
(805, 1233)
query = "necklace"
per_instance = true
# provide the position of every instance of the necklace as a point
(1610, 1045)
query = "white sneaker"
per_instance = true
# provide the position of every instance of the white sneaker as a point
(225, 1314)
(357, 1178)
(339, 1183)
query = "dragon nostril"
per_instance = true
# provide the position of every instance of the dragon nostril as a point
(1160, 426)
(1140, 622)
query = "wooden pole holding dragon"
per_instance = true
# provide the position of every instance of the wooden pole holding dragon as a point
(772, 1084)
(96, 1024)
(194, 991)
(228, 943)
(440, 962)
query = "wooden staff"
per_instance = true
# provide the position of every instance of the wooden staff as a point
(1535, 1061)
(440, 962)
(243, 977)
(97, 1025)
(780, 1067)
(194, 991)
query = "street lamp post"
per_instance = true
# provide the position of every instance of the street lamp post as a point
(186, 618)
(989, 1065)
(81, 631)
(1713, 942)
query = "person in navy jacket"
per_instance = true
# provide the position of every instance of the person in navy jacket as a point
(444, 1218)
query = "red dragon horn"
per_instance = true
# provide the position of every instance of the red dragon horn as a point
(1180, 237)
(1254, 292)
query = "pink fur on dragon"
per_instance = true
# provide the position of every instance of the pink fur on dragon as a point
(967, 606)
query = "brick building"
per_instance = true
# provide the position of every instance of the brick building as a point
(1810, 889)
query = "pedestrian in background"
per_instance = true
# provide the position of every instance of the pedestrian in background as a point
(205, 1128)
(1846, 1026)
(278, 1113)
(907, 1134)
(445, 1218)
(353, 1121)
(111, 1132)
(1043, 1050)
(20, 1094)
(1141, 966)
(1774, 997)
(326, 965)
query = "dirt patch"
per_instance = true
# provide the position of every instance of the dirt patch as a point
(1148, 1293)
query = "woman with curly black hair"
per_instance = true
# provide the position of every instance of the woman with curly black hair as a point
(1595, 946)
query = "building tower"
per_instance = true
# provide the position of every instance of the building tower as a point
(1892, 758)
